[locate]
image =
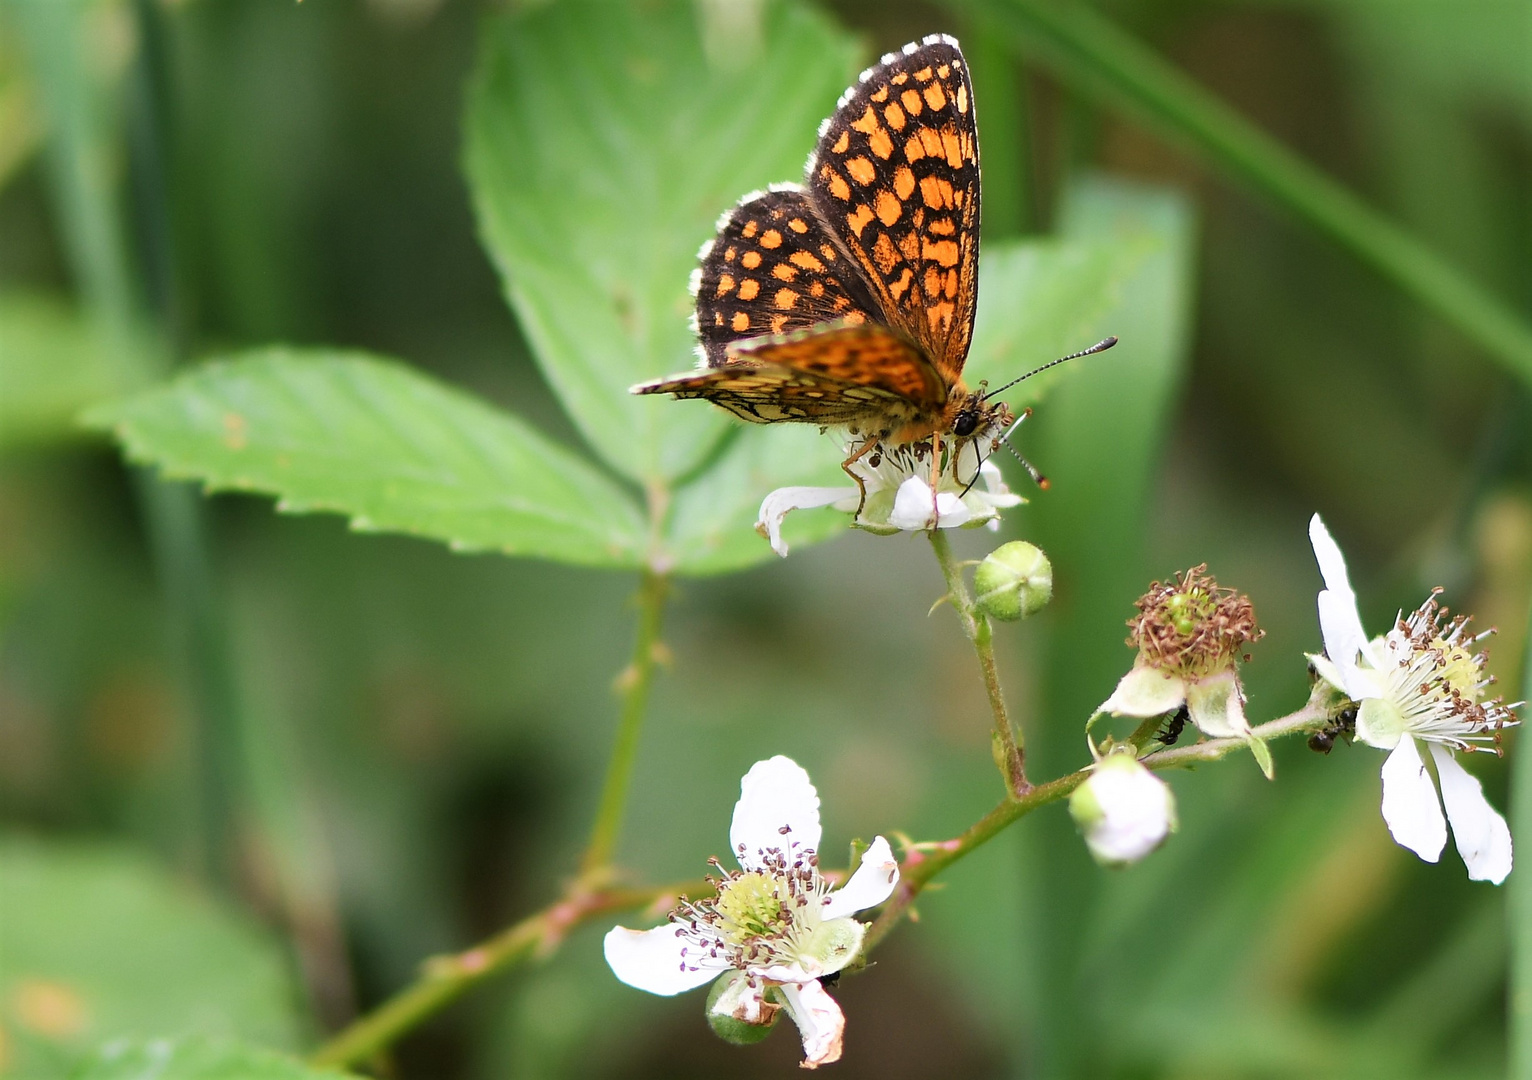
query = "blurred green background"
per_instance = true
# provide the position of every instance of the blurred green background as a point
(255, 768)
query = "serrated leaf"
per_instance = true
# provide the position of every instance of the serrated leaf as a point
(99, 944)
(53, 363)
(195, 1059)
(603, 142)
(390, 448)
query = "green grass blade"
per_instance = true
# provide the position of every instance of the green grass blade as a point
(1103, 61)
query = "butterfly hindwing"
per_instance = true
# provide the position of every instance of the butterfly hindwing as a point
(854, 375)
(773, 269)
(896, 176)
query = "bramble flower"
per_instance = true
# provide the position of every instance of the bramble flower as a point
(899, 496)
(775, 925)
(1123, 810)
(1189, 634)
(1419, 681)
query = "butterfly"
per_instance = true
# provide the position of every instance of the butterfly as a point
(849, 300)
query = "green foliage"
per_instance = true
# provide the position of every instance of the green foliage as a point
(195, 1059)
(390, 448)
(98, 944)
(603, 141)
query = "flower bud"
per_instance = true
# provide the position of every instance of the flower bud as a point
(738, 1012)
(1014, 581)
(1123, 810)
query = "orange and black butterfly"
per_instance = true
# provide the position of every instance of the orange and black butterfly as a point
(849, 301)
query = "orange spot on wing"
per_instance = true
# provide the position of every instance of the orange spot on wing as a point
(950, 291)
(861, 170)
(725, 283)
(785, 299)
(953, 150)
(728, 255)
(904, 182)
(879, 143)
(749, 289)
(842, 144)
(935, 96)
(895, 116)
(740, 323)
(944, 252)
(923, 75)
(806, 260)
(900, 79)
(897, 289)
(750, 260)
(777, 323)
(931, 142)
(962, 99)
(936, 192)
(750, 229)
(771, 239)
(940, 315)
(888, 207)
(884, 255)
(941, 73)
(858, 220)
(942, 226)
(797, 225)
(867, 123)
(879, 95)
(911, 99)
(784, 272)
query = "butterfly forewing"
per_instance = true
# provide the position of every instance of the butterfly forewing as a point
(896, 176)
(773, 269)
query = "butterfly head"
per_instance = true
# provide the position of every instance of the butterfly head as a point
(973, 416)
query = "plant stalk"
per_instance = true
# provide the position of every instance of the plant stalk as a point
(1010, 746)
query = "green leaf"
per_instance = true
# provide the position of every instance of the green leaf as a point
(195, 1059)
(100, 944)
(53, 363)
(393, 450)
(603, 142)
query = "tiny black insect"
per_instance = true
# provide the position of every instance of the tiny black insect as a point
(1174, 727)
(1342, 728)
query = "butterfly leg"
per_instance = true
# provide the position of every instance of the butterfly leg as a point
(861, 486)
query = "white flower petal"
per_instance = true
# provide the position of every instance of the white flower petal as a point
(783, 501)
(916, 510)
(872, 883)
(1124, 810)
(1479, 831)
(1145, 691)
(657, 960)
(778, 809)
(1216, 705)
(1339, 622)
(1410, 806)
(819, 1020)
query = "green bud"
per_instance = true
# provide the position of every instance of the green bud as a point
(1014, 581)
(739, 1013)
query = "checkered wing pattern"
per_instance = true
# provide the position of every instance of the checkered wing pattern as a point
(773, 269)
(849, 374)
(896, 177)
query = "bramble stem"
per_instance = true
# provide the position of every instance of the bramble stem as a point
(633, 685)
(921, 866)
(1010, 746)
(446, 978)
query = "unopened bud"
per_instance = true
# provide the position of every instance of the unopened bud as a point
(737, 1009)
(1123, 810)
(1014, 581)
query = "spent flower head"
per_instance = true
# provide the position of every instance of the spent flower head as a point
(773, 928)
(1190, 634)
(1423, 680)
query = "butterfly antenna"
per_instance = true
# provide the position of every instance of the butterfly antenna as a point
(1100, 346)
(1037, 478)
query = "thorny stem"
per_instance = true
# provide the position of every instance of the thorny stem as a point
(633, 685)
(1010, 744)
(446, 978)
(921, 866)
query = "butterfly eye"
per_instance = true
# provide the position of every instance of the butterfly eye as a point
(965, 424)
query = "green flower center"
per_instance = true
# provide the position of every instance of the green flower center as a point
(750, 906)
